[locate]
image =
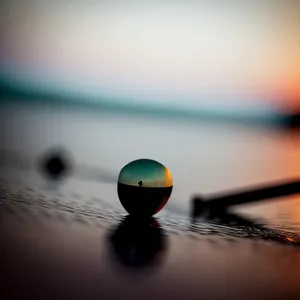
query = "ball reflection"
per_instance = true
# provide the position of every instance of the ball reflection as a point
(144, 187)
(136, 243)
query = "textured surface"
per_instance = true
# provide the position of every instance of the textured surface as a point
(25, 202)
(74, 248)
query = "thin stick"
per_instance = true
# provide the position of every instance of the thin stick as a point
(259, 193)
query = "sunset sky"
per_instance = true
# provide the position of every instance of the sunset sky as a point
(213, 53)
(150, 172)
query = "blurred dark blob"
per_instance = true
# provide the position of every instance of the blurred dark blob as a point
(143, 201)
(218, 204)
(137, 242)
(55, 164)
(293, 120)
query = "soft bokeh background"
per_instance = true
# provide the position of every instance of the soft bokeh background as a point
(220, 55)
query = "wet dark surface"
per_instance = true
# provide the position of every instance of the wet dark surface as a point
(59, 247)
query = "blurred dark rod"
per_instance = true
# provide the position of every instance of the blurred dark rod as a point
(223, 201)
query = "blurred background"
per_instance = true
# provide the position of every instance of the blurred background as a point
(130, 66)
(226, 56)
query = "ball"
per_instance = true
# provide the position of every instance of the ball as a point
(144, 187)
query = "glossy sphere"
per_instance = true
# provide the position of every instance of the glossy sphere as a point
(144, 187)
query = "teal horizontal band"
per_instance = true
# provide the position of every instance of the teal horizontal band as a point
(14, 91)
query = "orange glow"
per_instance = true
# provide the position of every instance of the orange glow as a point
(295, 166)
(289, 239)
(293, 95)
(169, 180)
(289, 91)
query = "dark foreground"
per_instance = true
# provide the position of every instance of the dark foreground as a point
(63, 250)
